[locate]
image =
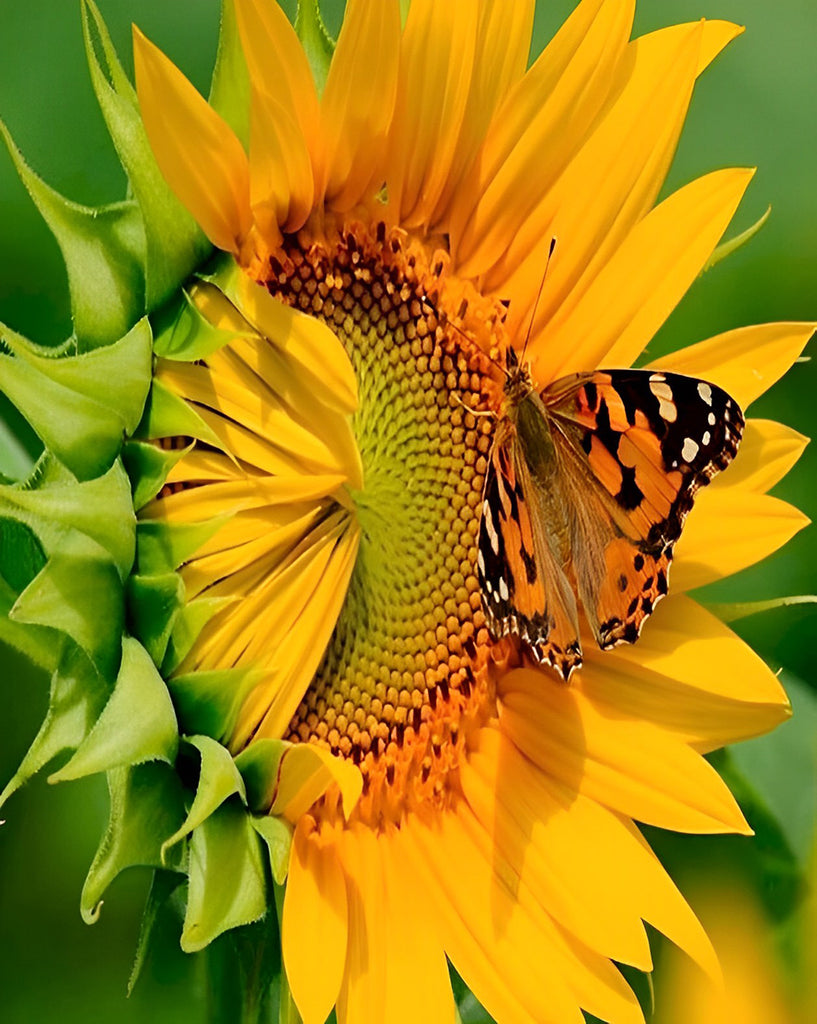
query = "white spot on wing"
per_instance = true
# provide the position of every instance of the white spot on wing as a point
(712, 419)
(663, 392)
(706, 438)
(705, 391)
(503, 589)
(690, 450)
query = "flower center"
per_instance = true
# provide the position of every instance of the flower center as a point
(404, 679)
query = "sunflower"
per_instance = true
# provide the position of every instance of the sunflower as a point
(313, 452)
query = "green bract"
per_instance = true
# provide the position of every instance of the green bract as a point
(91, 596)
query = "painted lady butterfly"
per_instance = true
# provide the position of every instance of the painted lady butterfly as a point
(587, 489)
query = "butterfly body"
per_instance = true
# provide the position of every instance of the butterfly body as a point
(588, 485)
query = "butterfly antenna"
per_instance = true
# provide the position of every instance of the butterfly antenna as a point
(445, 319)
(538, 297)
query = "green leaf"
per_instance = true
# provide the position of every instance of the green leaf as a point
(225, 847)
(21, 554)
(219, 779)
(315, 39)
(138, 723)
(78, 592)
(103, 252)
(189, 623)
(39, 645)
(243, 971)
(168, 415)
(182, 332)
(174, 244)
(258, 764)
(80, 405)
(732, 246)
(147, 466)
(230, 89)
(78, 694)
(162, 546)
(146, 806)
(277, 834)
(153, 604)
(162, 887)
(208, 703)
(100, 508)
(734, 611)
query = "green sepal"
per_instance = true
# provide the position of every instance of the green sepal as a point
(78, 592)
(315, 39)
(189, 623)
(147, 805)
(78, 694)
(227, 885)
(728, 248)
(208, 703)
(138, 724)
(174, 244)
(182, 333)
(147, 467)
(102, 249)
(101, 508)
(21, 552)
(230, 88)
(259, 765)
(39, 645)
(277, 834)
(168, 415)
(162, 547)
(80, 405)
(734, 611)
(219, 779)
(162, 887)
(153, 604)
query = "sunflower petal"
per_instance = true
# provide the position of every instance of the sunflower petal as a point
(197, 151)
(745, 362)
(768, 450)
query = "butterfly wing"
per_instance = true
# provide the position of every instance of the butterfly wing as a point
(635, 447)
(524, 589)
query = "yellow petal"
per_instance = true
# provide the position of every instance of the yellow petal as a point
(281, 178)
(358, 102)
(279, 68)
(306, 771)
(197, 151)
(745, 362)
(314, 918)
(500, 59)
(728, 530)
(766, 454)
(614, 179)
(627, 764)
(436, 63)
(537, 130)
(688, 673)
(641, 283)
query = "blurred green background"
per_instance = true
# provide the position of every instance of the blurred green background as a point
(756, 106)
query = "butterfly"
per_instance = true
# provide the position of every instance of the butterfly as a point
(588, 484)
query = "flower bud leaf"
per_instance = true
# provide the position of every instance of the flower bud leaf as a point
(78, 694)
(317, 42)
(259, 764)
(138, 723)
(174, 245)
(184, 334)
(277, 834)
(78, 592)
(224, 847)
(100, 508)
(190, 621)
(209, 702)
(162, 547)
(167, 415)
(36, 643)
(147, 467)
(230, 88)
(162, 887)
(154, 603)
(146, 805)
(219, 779)
(102, 249)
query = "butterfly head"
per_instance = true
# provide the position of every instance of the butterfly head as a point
(518, 382)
